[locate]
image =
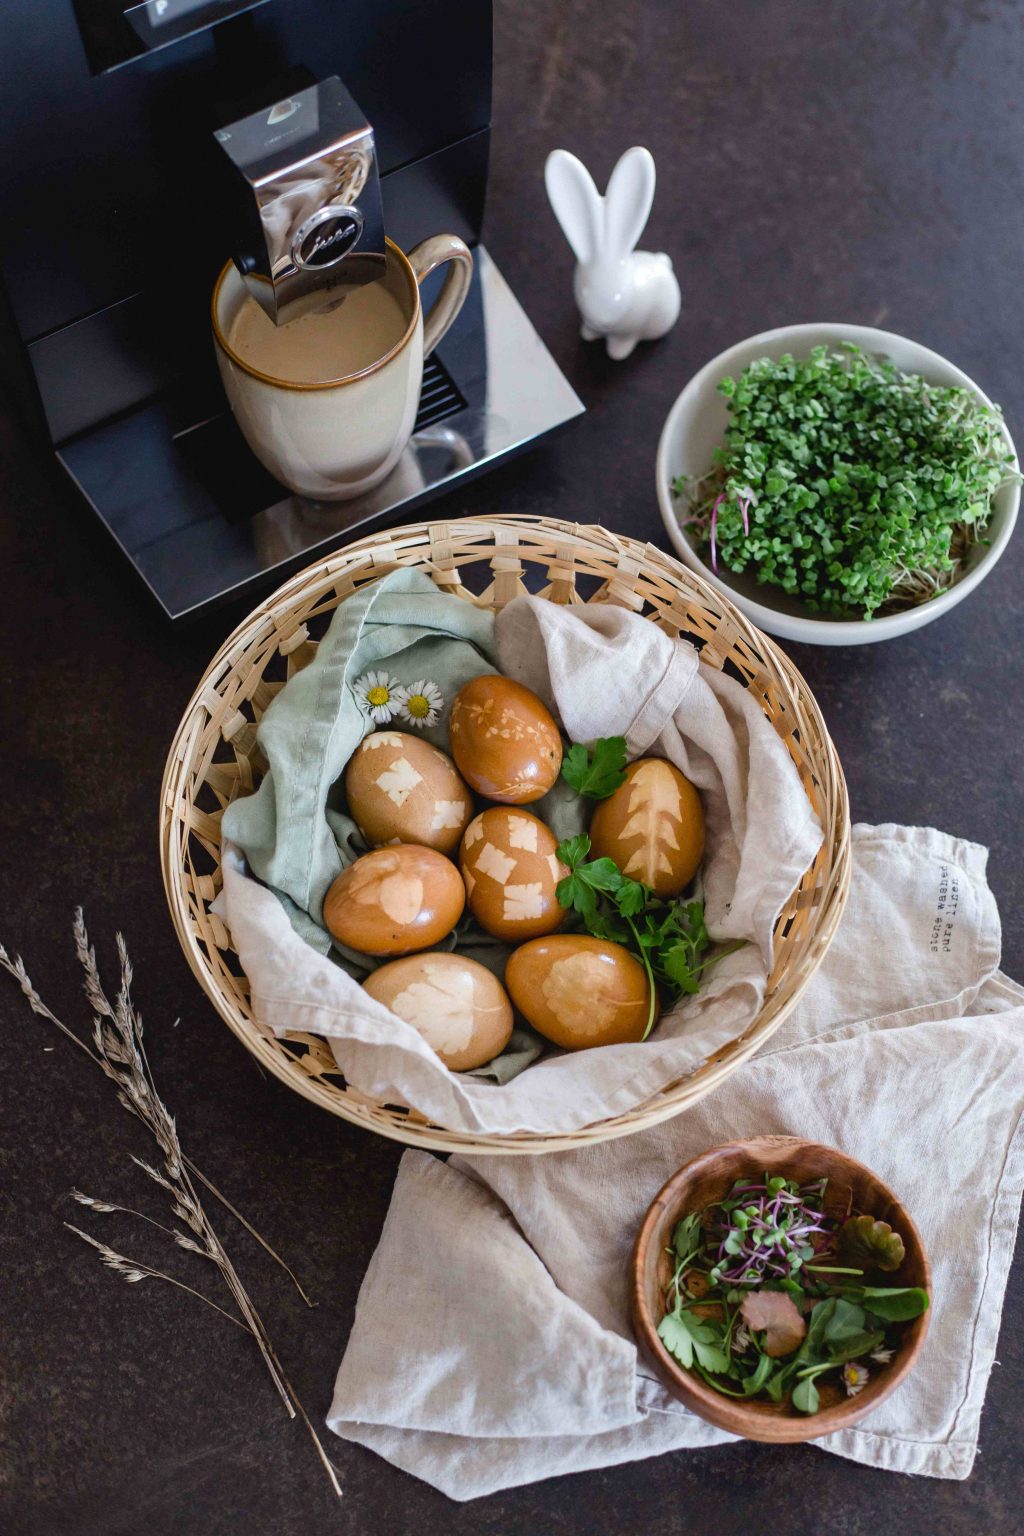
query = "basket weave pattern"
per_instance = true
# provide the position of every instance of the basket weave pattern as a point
(487, 561)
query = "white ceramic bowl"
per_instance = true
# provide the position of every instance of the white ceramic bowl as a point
(696, 425)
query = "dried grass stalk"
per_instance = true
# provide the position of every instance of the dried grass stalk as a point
(118, 1050)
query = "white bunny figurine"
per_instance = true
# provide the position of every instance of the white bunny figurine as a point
(624, 295)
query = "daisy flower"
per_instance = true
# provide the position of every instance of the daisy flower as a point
(420, 704)
(883, 1356)
(378, 695)
(855, 1377)
(740, 1339)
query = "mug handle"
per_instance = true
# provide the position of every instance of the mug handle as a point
(426, 258)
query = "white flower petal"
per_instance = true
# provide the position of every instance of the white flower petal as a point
(381, 711)
(425, 693)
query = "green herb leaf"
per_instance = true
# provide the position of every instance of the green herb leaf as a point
(602, 874)
(762, 1371)
(711, 1357)
(805, 1396)
(675, 1336)
(870, 1244)
(859, 1344)
(599, 772)
(686, 1238)
(631, 897)
(574, 850)
(892, 1304)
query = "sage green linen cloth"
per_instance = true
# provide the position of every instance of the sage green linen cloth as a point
(293, 831)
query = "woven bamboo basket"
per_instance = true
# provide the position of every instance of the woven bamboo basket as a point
(215, 757)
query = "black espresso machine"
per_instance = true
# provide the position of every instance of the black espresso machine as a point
(119, 205)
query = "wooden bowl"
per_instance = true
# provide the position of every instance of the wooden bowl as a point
(700, 1184)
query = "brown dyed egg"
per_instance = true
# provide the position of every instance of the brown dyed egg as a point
(505, 743)
(395, 900)
(459, 1008)
(511, 872)
(652, 827)
(578, 991)
(401, 789)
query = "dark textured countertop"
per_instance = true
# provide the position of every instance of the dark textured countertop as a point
(854, 161)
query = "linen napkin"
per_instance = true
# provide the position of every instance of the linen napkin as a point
(491, 1345)
(605, 672)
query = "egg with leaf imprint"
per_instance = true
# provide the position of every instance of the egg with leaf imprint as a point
(461, 1010)
(505, 742)
(401, 789)
(511, 868)
(579, 991)
(395, 900)
(652, 827)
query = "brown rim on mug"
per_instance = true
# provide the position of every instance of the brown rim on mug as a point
(455, 250)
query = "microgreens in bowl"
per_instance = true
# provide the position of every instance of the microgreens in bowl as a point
(847, 482)
(775, 1287)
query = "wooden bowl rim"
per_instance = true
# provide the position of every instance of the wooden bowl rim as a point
(758, 1420)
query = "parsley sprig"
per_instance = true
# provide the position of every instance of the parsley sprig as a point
(599, 772)
(669, 938)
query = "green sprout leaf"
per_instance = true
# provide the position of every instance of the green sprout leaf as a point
(848, 483)
(870, 1244)
(805, 1396)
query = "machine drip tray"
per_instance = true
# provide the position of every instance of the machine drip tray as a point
(201, 520)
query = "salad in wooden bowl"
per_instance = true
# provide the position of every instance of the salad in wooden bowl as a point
(779, 1289)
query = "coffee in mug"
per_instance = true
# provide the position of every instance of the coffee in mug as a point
(327, 400)
(357, 325)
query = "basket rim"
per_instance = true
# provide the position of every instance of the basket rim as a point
(263, 622)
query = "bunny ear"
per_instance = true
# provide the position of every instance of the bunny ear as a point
(628, 201)
(576, 203)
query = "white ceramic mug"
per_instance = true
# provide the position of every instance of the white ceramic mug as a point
(332, 441)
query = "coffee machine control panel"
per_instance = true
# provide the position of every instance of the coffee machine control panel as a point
(116, 31)
(312, 214)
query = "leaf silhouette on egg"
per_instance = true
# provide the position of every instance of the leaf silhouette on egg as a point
(655, 814)
(652, 827)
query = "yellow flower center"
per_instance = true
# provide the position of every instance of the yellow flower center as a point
(377, 696)
(418, 706)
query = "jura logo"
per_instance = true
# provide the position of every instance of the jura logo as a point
(326, 237)
(343, 230)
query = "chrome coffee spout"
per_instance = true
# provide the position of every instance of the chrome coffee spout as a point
(313, 214)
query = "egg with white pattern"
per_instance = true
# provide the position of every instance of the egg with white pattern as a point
(510, 865)
(461, 1010)
(400, 789)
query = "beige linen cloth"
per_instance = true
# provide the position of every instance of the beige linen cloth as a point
(491, 1344)
(605, 672)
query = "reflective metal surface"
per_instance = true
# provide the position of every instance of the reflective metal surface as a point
(313, 210)
(200, 520)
